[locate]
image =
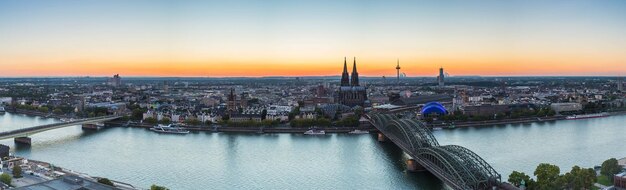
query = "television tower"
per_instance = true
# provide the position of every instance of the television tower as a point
(398, 71)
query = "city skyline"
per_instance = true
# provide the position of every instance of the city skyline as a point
(287, 38)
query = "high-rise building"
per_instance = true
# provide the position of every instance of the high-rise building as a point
(440, 77)
(398, 71)
(620, 84)
(115, 81)
(350, 92)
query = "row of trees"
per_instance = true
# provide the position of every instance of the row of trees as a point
(43, 109)
(252, 123)
(322, 122)
(549, 176)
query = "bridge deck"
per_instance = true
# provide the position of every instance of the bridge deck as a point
(37, 129)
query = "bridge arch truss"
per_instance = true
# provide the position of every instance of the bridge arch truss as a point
(458, 166)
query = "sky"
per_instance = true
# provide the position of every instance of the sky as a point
(311, 38)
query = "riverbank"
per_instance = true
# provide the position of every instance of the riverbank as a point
(530, 120)
(496, 122)
(35, 172)
(36, 113)
(280, 129)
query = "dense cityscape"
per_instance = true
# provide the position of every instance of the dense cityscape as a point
(325, 94)
(315, 105)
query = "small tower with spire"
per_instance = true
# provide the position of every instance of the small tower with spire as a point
(398, 71)
(355, 75)
(345, 78)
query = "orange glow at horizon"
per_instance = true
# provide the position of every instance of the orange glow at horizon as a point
(374, 67)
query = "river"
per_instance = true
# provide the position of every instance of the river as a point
(204, 160)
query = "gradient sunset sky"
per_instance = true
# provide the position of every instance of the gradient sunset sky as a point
(311, 38)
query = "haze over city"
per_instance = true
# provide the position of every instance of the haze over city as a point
(311, 38)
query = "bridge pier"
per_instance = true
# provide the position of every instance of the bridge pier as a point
(22, 140)
(413, 166)
(91, 126)
(381, 137)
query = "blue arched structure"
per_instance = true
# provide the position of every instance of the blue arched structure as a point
(434, 107)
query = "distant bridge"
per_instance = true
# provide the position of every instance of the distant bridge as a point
(456, 166)
(21, 135)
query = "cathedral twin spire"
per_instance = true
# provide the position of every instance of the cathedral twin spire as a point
(345, 78)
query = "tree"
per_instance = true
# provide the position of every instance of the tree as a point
(17, 171)
(358, 111)
(609, 168)
(517, 177)
(193, 122)
(579, 178)
(263, 114)
(137, 114)
(5, 178)
(547, 176)
(105, 181)
(351, 121)
(151, 120)
(57, 111)
(156, 187)
(43, 109)
(165, 120)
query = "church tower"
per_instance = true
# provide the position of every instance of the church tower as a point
(355, 75)
(345, 79)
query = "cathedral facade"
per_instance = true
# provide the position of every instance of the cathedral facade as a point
(350, 93)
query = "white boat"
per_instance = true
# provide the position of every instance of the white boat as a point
(437, 128)
(315, 132)
(168, 129)
(586, 116)
(356, 131)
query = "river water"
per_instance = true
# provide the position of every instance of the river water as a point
(291, 161)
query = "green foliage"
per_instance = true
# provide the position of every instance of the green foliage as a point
(579, 178)
(43, 109)
(516, 178)
(150, 120)
(165, 120)
(322, 122)
(105, 181)
(5, 178)
(225, 117)
(602, 179)
(252, 123)
(263, 114)
(17, 171)
(193, 121)
(547, 176)
(609, 168)
(359, 111)
(351, 121)
(137, 114)
(156, 187)
(57, 111)
(96, 111)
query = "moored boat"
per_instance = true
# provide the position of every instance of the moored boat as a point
(356, 131)
(168, 129)
(315, 132)
(587, 116)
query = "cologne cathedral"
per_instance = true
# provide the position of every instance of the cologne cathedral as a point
(350, 92)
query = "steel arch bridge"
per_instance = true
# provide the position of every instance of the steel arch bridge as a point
(457, 166)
